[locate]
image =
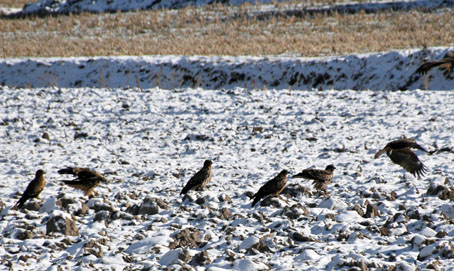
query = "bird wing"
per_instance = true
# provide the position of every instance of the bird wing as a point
(426, 67)
(34, 188)
(380, 152)
(273, 186)
(315, 174)
(408, 160)
(200, 179)
(90, 175)
(72, 170)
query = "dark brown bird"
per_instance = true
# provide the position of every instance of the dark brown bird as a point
(87, 180)
(271, 188)
(321, 177)
(400, 153)
(447, 62)
(200, 179)
(34, 188)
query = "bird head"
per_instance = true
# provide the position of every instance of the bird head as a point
(330, 167)
(39, 172)
(283, 172)
(207, 163)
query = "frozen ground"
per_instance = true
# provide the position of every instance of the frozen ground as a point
(393, 70)
(148, 142)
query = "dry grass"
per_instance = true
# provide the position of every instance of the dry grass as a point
(15, 3)
(216, 31)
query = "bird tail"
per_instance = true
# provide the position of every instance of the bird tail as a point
(380, 152)
(21, 202)
(256, 200)
(185, 190)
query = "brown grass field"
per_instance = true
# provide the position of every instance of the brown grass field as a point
(217, 30)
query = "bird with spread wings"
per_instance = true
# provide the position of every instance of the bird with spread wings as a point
(447, 62)
(321, 177)
(400, 153)
(86, 180)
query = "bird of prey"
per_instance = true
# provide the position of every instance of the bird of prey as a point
(200, 179)
(34, 188)
(321, 177)
(447, 62)
(271, 188)
(86, 180)
(400, 153)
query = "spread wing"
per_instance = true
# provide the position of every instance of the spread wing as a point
(316, 175)
(72, 170)
(408, 160)
(87, 180)
(426, 67)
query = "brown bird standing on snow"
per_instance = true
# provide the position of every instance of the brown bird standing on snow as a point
(34, 188)
(321, 177)
(447, 62)
(87, 180)
(400, 153)
(200, 179)
(271, 188)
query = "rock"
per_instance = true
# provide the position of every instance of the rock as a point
(171, 257)
(358, 209)
(443, 192)
(271, 201)
(187, 237)
(225, 198)
(248, 243)
(149, 206)
(225, 213)
(82, 211)
(24, 234)
(32, 205)
(200, 201)
(200, 259)
(62, 225)
(102, 216)
(371, 210)
(426, 252)
(302, 238)
(2, 205)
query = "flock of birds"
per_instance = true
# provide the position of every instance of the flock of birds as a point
(399, 151)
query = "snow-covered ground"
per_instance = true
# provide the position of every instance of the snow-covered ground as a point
(149, 142)
(67, 6)
(375, 71)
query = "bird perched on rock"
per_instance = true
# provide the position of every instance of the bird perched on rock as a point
(447, 62)
(271, 188)
(34, 188)
(400, 153)
(321, 177)
(87, 180)
(200, 179)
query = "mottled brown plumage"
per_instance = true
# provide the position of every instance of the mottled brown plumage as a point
(447, 62)
(200, 179)
(87, 180)
(34, 188)
(400, 153)
(321, 177)
(271, 188)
